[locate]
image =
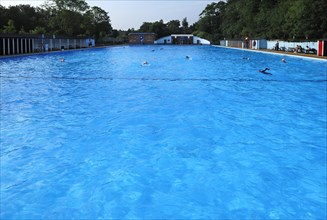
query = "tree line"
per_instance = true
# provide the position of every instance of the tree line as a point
(163, 29)
(66, 18)
(269, 19)
(230, 19)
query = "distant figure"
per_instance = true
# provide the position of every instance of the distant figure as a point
(307, 50)
(277, 45)
(254, 44)
(62, 60)
(265, 71)
(283, 60)
(145, 63)
(188, 57)
(246, 58)
(300, 49)
(246, 43)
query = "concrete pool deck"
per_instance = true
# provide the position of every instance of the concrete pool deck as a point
(282, 53)
(297, 54)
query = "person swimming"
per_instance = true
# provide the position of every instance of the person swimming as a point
(188, 57)
(246, 58)
(283, 60)
(62, 60)
(145, 63)
(265, 71)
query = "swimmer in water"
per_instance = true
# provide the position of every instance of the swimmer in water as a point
(246, 58)
(283, 60)
(265, 71)
(188, 57)
(145, 63)
(62, 60)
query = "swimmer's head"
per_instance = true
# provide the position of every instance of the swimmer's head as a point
(283, 60)
(62, 60)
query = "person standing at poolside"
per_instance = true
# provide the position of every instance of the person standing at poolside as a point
(277, 45)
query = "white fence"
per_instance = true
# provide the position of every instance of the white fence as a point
(270, 44)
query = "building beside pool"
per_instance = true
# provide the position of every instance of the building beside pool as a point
(182, 39)
(14, 44)
(322, 47)
(179, 39)
(247, 43)
(141, 38)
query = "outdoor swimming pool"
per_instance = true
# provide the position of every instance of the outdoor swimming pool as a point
(102, 136)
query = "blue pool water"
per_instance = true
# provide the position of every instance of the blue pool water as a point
(101, 136)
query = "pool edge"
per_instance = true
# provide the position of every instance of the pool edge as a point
(268, 52)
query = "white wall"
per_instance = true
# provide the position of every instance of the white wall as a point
(263, 44)
(88, 41)
(223, 43)
(286, 44)
(162, 40)
(202, 41)
(169, 40)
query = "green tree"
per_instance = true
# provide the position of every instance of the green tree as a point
(25, 16)
(61, 17)
(22, 30)
(101, 21)
(209, 25)
(70, 5)
(3, 16)
(38, 30)
(160, 28)
(9, 28)
(308, 19)
(67, 23)
(284, 19)
(185, 25)
(268, 26)
(173, 27)
(146, 27)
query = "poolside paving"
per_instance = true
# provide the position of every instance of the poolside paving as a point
(296, 54)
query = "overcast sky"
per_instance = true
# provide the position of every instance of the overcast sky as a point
(126, 14)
